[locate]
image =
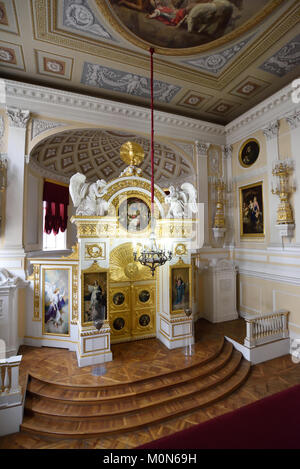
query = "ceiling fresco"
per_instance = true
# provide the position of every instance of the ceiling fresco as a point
(241, 52)
(186, 24)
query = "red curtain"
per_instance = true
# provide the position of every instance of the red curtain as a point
(57, 201)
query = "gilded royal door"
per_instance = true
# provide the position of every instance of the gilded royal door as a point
(132, 297)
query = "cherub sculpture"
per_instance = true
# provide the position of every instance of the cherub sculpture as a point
(182, 201)
(87, 197)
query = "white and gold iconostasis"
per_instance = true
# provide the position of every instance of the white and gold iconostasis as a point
(258, 274)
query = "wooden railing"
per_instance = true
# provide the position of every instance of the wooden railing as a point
(264, 328)
(10, 390)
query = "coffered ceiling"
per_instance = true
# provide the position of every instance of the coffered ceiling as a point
(207, 65)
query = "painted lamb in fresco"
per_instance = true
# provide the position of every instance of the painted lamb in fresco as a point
(87, 197)
(182, 201)
(184, 23)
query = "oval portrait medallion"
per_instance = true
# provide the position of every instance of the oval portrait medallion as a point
(144, 320)
(118, 298)
(249, 152)
(118, 324)
(144, 296)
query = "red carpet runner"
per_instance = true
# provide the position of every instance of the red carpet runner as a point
(270, 423)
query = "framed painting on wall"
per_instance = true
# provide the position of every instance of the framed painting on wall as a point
(56, 301)
(252, 211)
(249, 152)
(180, 287)
(93, 294)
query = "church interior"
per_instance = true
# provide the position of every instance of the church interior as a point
(149, 223)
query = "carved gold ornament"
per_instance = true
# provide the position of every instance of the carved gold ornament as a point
(283, 171)
(94, 251)
(180, 249)
(122, 267)
(132, 153)
(74, 294)
(36, 311)
(74, 255)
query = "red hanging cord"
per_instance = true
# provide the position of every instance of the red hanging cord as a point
(152, 133)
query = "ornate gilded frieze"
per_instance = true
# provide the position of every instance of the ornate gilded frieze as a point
(176, 228)
(36, 302)
(74, 295)
(95, 227)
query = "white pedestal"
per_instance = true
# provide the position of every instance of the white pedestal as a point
(220, 291)
(175, 331)
(93, 346)
(9, 311)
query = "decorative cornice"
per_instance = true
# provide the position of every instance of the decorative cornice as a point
(271, 131)
(17, 117)
(138, 118)
(293, 120)
(279, 104)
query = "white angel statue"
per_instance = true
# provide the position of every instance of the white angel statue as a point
(57, 302)
(87, 196)
(182, 201)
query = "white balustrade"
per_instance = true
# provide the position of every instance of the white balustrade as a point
(10, 390)
(265, 328)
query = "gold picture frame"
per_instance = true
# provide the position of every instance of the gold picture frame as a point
(56, 294)
(249, 152)
(180, 294)
(252, 224)
(88, 278)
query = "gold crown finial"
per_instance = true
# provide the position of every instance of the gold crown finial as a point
(132, 153)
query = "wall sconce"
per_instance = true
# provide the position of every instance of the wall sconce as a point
(3, 180)
(285, 219)
(219, 220)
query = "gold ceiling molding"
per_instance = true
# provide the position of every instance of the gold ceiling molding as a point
(129, 36)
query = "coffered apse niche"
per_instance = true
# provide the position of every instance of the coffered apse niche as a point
(213, 71)
(96, 154)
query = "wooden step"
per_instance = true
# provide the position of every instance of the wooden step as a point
(91, 395)
(140, 402)
(88, 427)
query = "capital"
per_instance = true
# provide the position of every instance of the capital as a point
(17, 117)
(201, 148)
(293, 120)
(271, 131)
(227, 151)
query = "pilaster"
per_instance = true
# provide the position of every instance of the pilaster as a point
(202, 184)
(271, 134)
(294, 123)
(13, 232)
(229, 208)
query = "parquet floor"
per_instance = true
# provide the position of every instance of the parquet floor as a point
(149, 358)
